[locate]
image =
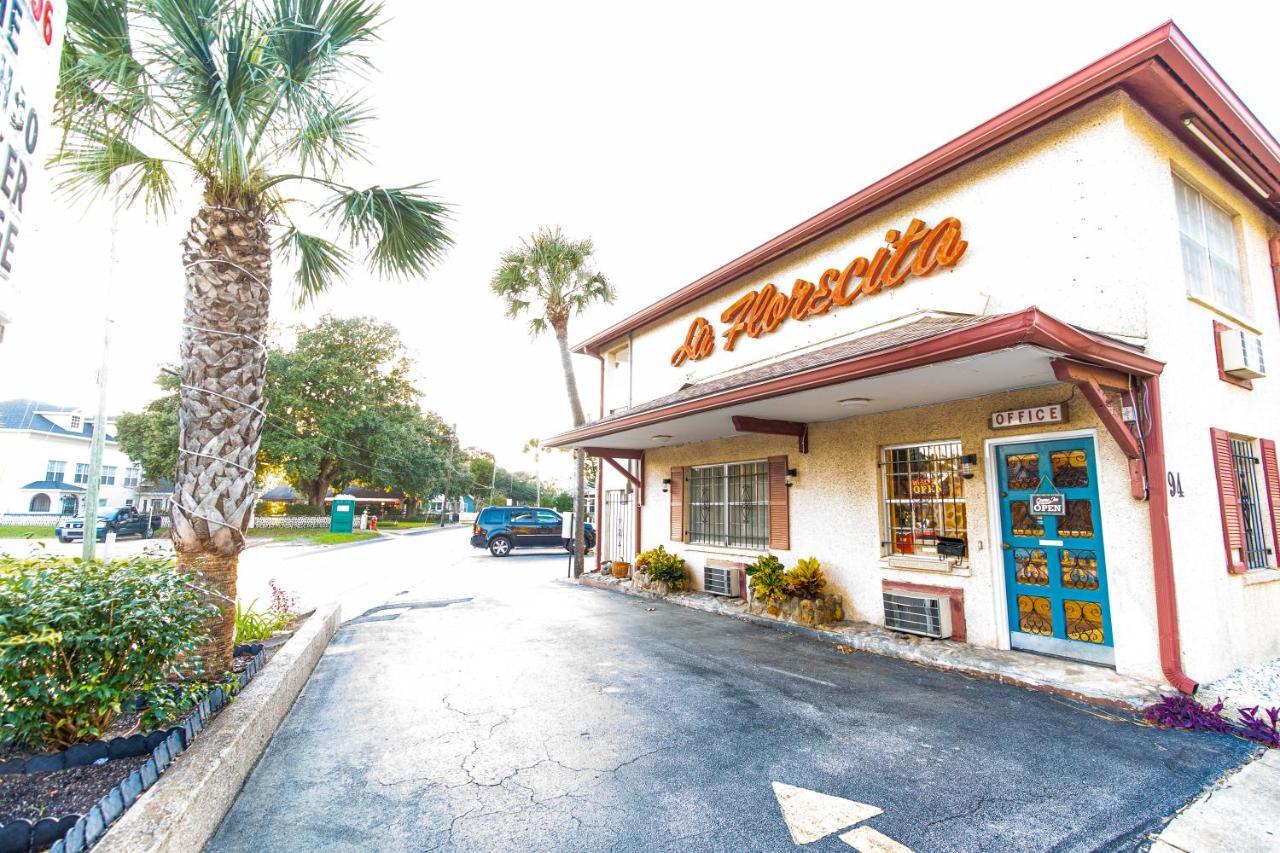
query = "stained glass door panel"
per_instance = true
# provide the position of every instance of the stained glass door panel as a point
(1055, 572)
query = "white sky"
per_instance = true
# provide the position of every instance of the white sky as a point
(677, 135)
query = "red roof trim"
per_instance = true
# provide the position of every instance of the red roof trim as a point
(1161, 69)
(1031, 326)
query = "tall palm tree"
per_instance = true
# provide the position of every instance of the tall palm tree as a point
(252, 102)
(554, 278)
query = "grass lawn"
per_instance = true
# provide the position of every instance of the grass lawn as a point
(313, 535)
(22, 531)
(394, 524)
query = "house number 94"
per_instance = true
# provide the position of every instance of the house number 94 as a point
(1175, 484)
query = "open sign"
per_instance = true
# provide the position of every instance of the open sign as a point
(1049, 503)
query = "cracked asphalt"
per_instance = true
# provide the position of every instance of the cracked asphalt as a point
(492, 707)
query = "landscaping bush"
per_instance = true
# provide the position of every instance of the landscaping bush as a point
(1184, 712)
(83, 639)
(305, 510)
(768, 579)
(253, 625)
(805, 580)
(662, 566)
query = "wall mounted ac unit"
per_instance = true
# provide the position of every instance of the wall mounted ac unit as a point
(926, 615)
(722, 580)
(1242, 354)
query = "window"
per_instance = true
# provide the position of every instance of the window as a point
(55, 471)
(547, 517)
(82, 472)
(1245, 462)
(131, 476)
(1210, 258)
(729, 505)
(108, 475)
(923, 497)
(76, 422)
(39, 503)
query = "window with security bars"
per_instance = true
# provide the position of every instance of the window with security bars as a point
(1210, 256)
(729, 505)
(1245, 461)
(923, 497)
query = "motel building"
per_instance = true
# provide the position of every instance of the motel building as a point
(1021, 382)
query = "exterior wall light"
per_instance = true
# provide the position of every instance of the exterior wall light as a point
(666, 485)
(967, 463)
(791, 477)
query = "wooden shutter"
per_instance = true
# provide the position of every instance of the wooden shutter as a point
(779, 505)
(1229, 500)
(677, 504)
(1271, 471)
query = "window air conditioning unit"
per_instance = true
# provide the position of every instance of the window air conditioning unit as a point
(1242, 354)
(926, 615)
(719, 580)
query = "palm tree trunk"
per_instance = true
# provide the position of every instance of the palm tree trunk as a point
(570, 380)
(227, 255)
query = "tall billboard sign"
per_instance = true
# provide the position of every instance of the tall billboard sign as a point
(30, 45)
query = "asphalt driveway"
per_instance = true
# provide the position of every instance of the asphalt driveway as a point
(499, 709)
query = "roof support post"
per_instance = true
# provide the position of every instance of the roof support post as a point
(743, 423)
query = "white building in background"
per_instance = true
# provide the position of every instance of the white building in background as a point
(44, 461)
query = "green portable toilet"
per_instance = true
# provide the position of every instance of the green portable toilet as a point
(342, 513)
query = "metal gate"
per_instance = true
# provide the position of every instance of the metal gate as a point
(618, 540)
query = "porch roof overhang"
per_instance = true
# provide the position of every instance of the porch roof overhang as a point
(935, 360)
(51, 486)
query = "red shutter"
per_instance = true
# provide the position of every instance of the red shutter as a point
(677, 504)
(1229, 499)
(779, 505)
(1271, 471)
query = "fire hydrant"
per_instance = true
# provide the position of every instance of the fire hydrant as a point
(373, 522)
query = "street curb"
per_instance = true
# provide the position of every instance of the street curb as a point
(845, 641)
(183, 811)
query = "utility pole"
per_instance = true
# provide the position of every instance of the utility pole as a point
(579, 514)
(493, 480)
(98, 442)
(448, 475)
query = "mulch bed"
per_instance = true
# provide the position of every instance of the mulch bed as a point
(38, 795)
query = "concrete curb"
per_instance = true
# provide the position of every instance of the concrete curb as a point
(183, 810)
(912, 655)
(1240, 812)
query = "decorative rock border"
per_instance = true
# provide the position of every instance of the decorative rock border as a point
(75, 833)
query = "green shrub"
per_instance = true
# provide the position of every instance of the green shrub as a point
(768, 579)
(660, 565)
(82, 639)
(806, 579)
(254, 625)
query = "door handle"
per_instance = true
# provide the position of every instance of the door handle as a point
(1006, 546)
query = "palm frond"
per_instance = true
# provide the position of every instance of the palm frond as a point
(88, 165)
(330, 136)
(320, 263)
(309, 40)
(403, 228)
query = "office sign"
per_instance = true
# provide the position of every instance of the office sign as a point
(1055, 413)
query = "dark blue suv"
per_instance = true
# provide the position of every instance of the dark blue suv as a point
(502, 528)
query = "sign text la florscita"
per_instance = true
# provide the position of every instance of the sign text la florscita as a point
(30, 43)
(916, 251)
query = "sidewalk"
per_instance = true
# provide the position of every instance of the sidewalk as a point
(1074, 680)
(1241, 812)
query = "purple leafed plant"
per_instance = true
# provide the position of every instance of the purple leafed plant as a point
(1184, 712)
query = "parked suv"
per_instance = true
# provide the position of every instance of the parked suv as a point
(502, 528)
(124, 521)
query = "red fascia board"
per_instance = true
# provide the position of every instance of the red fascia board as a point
(1162, 61)
(1028, 327)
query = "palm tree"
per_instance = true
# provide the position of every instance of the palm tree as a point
(554, 277)
(251, 102)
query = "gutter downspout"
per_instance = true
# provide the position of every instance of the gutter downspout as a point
(600, 478)
(1162, 548)
(1275, 266)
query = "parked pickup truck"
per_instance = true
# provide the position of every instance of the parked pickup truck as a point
(123, 521)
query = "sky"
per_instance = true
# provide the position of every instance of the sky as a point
(676, 135)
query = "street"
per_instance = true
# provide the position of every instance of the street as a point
(491, 706)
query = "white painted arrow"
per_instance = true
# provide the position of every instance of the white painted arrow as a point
(810, 816)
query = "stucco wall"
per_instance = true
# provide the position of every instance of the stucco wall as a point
(1227, 620)
(24, 456)
(836, 514)
(1042, 225)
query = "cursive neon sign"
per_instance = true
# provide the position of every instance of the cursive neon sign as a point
(915, 252)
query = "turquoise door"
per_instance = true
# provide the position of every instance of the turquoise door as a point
(1055, 570)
